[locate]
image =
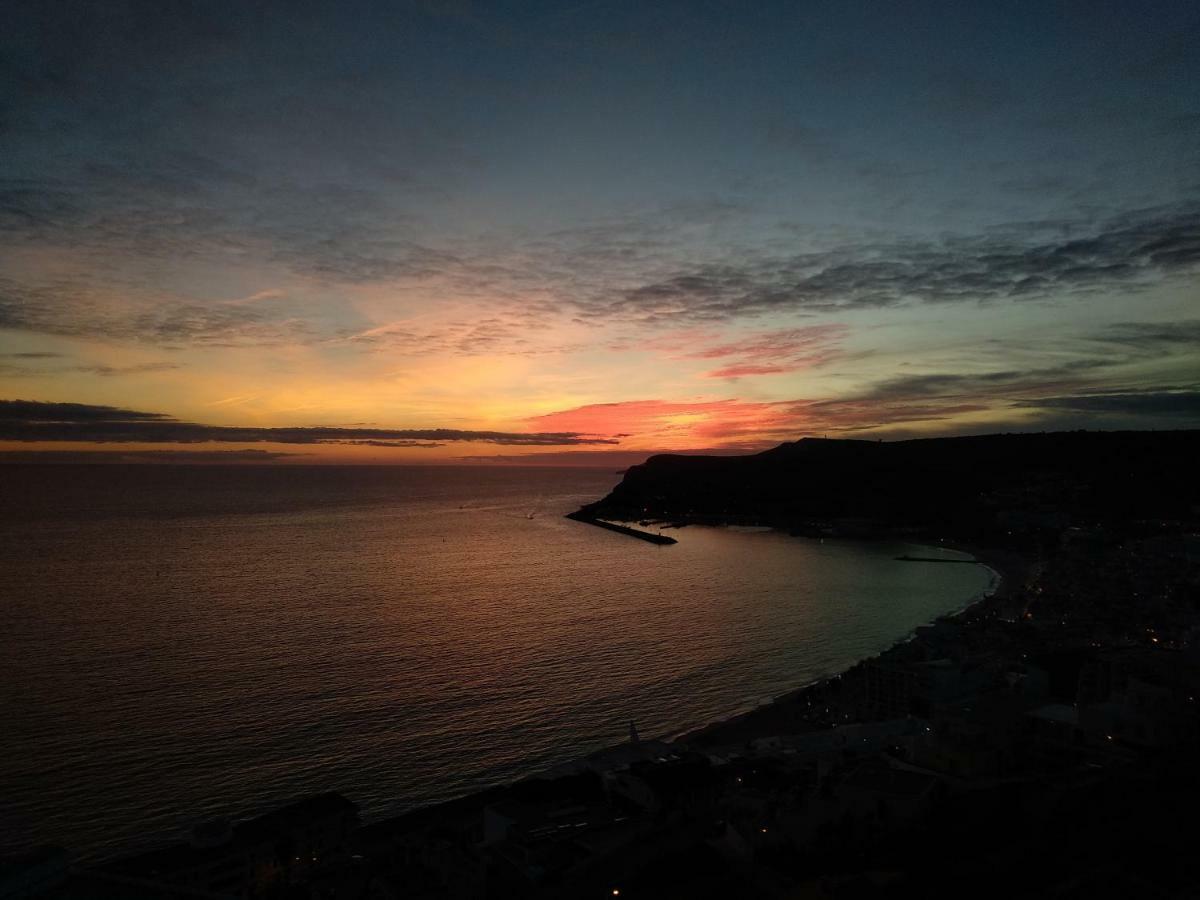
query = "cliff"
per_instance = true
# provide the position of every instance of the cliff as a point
(982, 485)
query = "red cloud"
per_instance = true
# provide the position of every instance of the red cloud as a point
(740, 424)
(660, 423)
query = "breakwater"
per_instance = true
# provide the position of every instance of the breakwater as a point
(648, 536)
(936, 559)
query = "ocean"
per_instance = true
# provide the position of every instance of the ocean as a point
(179, 643)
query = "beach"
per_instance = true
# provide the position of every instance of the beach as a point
(804, 709)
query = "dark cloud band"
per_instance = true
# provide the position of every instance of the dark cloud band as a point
(31, 421)
(1017, 263)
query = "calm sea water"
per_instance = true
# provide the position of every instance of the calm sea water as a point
(178, 643)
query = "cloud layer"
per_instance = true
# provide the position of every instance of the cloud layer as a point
(1015, 263)
(526, 288)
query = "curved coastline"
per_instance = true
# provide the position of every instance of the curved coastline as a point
(780, 714)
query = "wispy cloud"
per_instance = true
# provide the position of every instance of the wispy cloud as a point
(234, 400)
(77, 310)
(506, 332)
(776, 351)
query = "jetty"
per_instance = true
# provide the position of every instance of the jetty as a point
(648, 536)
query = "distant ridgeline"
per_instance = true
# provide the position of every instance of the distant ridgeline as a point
(990, 485)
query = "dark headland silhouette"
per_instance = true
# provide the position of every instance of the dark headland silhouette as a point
(969, 487)
(1041, 743)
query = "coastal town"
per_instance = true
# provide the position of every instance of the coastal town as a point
(1039, 743)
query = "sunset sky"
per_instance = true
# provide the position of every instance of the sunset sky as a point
(442, 230)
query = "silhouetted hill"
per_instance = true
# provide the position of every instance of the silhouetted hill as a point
(1021, 483)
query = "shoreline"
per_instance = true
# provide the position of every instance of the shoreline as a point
(782, 714)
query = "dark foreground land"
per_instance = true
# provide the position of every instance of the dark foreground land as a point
(1042, 743)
